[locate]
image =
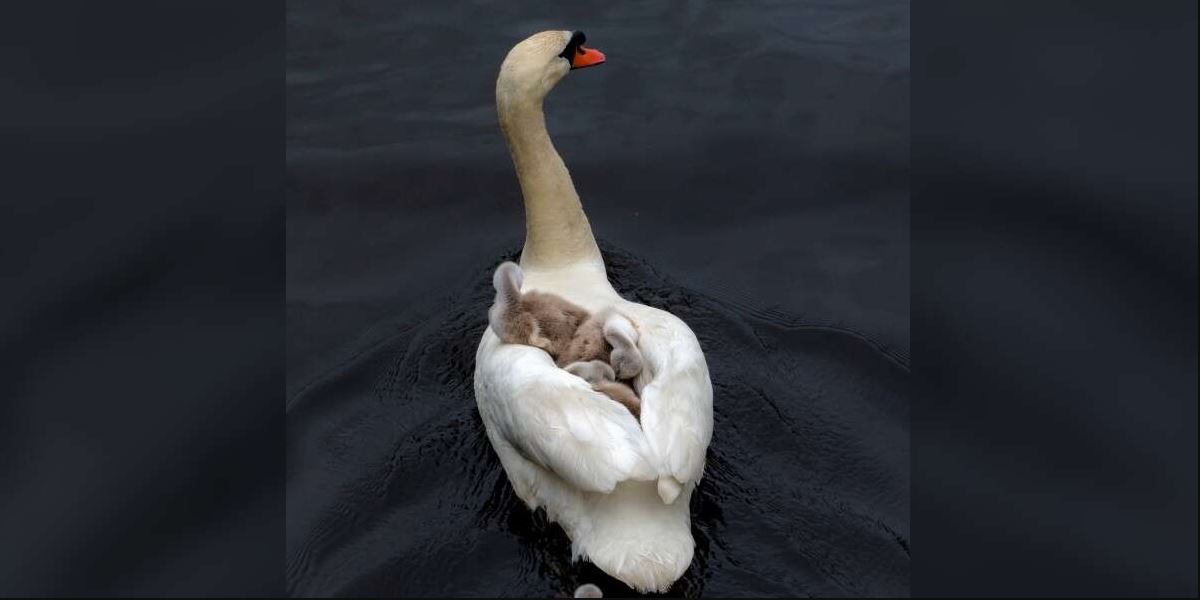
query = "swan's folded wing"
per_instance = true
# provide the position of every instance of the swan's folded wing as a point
(556, 420)
(677, 400)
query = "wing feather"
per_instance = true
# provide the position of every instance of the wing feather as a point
(676, 394)
(556, 420)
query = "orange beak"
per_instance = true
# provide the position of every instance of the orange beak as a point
(586, 57)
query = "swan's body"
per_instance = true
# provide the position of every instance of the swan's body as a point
(621, 492)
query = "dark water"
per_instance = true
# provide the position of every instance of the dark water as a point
(745, 167)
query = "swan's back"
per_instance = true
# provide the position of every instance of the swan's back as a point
(584, 458)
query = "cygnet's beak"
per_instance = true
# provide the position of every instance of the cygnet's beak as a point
(586, 57)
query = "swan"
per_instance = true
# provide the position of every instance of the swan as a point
(619, 489)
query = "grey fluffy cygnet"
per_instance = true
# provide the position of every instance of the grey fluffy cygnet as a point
(567, 332)
(603, 380)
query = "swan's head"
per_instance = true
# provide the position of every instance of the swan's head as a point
(534, 66)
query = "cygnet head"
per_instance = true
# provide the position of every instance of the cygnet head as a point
(626, 359)
(535, 65)
(507, 280)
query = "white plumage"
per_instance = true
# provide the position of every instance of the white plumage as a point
(619, 489)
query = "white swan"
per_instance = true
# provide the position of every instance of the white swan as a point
(621, 492)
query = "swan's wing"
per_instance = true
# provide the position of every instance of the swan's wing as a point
(677, 395)
(556, 420)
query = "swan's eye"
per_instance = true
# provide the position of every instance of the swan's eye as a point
(574, 46)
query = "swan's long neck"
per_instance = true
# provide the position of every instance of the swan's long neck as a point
(557, 232)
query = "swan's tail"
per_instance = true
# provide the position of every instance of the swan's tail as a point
(668, 489)
(636, 538)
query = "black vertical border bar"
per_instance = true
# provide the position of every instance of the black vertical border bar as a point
(1054, 298)
(141, 318)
